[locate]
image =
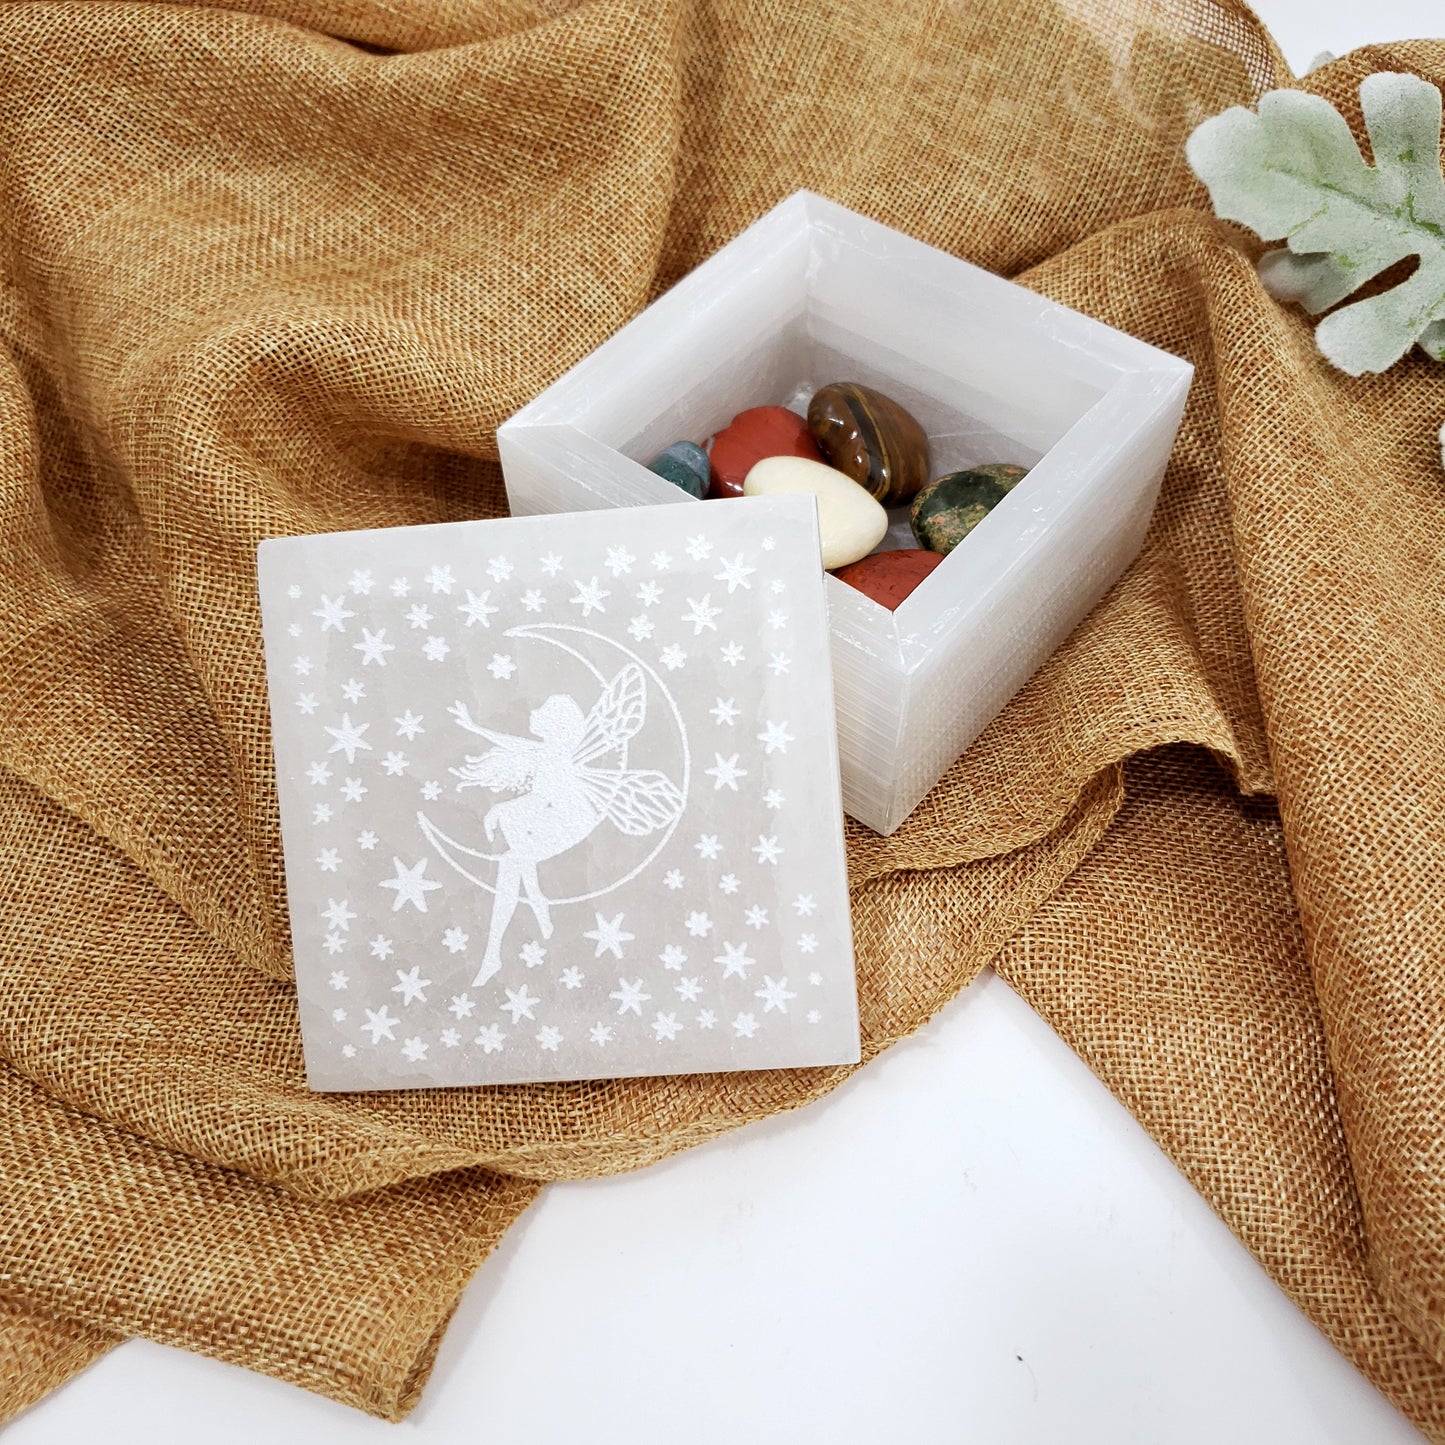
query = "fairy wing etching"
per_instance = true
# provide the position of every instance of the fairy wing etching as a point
(615, 716)
(637, 802)
(506, 767)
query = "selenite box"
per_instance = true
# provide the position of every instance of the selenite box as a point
(814, 293)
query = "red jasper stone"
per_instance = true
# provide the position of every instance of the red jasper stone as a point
(888, 577)
(761, 431)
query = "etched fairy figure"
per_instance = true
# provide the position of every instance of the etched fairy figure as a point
(562, 799)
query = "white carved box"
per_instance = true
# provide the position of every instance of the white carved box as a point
(814, 293)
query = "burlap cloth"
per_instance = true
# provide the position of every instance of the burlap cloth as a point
(285, 271)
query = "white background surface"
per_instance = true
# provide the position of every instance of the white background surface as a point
(969, 1242)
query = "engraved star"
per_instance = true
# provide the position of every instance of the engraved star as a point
(302, 667)
(551, 564)
(413, 1050)
(318, 773)
(779, 663)
(366, 839)
(333, 613)
(725, 711)
(735, 574)
(630, 996)
(334, 943)
(307, 703)
(778, 587)
(337, 914)
(665, 1027)
(813, 1016)
(775, 737)
(649, 594)
(699, 925)
(757, 917)
(726, 773)
(328, 860)
(767, 849)
(589, 597)
(619, 560)
(745, 1026)
(501, 666)
(673, 879)
(436, 648)
(354, 790)
(419, 614)
(600, 1034)
(321, 813)
(673, 957)
(477, 608)
(773, 799)
(380, 946)
(768, 544)
(735, 959)
(454, 940)
(338, 980)
(360, 581)
(373, 647)
(571, 977)
(808, 943)
(532, 600)
(294, 630)
(641, 627)
(608, 936)
(431, 791)
(411, 985)
(348, 1051)
(699, 548)
(490, 1038)
(394, 764)
(450, 1038)
(380, 1023)
(707, 845)
(532, 954)
(520, 1003)
(408, 725)
(803, 905)
(462, 1005)
(499, 569)
(549, 1037)
(815, 978)
(689, 990)
(701, 614)
(409, 885)
(293, 591)
(349, 738)
(728, 883)
(440, 579)
(777, 619)
(732, 654)
(774, 994)
(353, 691)
(400, 587)
(662, 560)
(706, 1019)
(673, 657)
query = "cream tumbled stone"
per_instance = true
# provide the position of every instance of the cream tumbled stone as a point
(850, 522)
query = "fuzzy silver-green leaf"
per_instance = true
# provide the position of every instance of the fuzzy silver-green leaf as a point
(1293, 173)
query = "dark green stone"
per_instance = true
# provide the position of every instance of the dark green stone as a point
(947, 510)
(685, 465)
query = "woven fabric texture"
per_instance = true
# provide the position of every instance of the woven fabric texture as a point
(284, 267)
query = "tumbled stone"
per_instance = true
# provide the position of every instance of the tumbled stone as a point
(761, 431)
(685, 465)
(888, 577)
(947, 510)
(850, 523)
(872, 439)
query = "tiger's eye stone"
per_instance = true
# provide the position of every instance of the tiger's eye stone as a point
(947, 510)
(888, 577)
(685, 465)
(761, 431)
(872, 439)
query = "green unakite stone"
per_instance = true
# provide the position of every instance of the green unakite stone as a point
(947, 510)
(685, 465)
